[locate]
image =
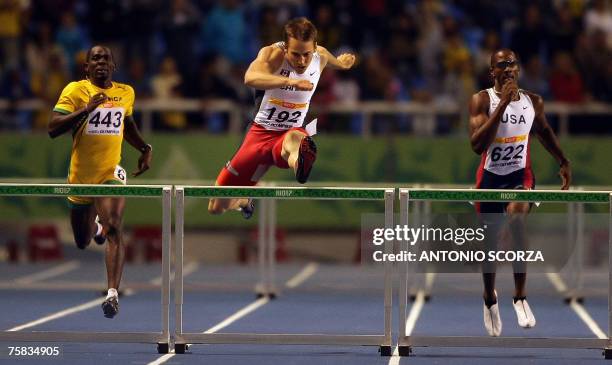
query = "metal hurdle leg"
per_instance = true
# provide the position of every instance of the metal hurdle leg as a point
(385, 348)
(415, 279)
(403, 345)
(179, 345)
(261, 288)
(163, 346)
(571, 263)
(579, 295)
(272, 291)
(608, 348)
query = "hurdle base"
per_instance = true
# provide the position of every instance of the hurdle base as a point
(385, 350)
(180, 348)
(404, 350)
(162, 348)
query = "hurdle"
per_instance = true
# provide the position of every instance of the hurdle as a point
(162, 338)
(406, 342)
(181, 339)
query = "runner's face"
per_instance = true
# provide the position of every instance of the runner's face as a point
(505, 66)
(100, 65)
(299, 54)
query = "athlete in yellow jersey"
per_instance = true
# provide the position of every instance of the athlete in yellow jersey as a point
(98, 111)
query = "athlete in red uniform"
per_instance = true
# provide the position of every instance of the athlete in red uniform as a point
(285, 76)
(501, 121)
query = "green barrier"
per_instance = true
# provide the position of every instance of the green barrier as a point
(286, 193)
(492, 195)
(198, 158)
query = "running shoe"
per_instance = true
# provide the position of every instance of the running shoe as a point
(306, 158)
(110, 306)
(524, 315)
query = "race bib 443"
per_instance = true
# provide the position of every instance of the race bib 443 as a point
(105, 121)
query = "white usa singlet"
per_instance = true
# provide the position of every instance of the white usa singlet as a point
(285, 107)
(509, 151)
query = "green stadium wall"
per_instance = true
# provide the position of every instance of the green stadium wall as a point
(198, 157)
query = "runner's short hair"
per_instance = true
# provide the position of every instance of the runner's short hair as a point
(301, 29)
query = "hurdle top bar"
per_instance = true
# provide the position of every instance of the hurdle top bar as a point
(495, 195)
(278, 192)
(82, 190)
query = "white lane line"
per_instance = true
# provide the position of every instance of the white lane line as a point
(413, 316)
(163, 359)
(415, 311)
(188, 269)
(295, 281)
(49, 273)
(303, 275)
(558, 283)
(78, 308)
(236, 316)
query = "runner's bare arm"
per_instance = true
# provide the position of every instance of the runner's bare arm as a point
(549, 140)
(61, 123)
(482, 127)
(343, 62)
(260, 74)
(133, 137)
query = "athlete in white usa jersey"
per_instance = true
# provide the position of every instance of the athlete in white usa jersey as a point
(501, 121)
(285, 107)
(284, 76)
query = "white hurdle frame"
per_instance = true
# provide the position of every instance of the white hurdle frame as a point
(181, 339)
(162, 339)
(405, 343)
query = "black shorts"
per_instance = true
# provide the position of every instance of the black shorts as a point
(522, 179)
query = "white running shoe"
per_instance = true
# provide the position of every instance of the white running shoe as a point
(492, 320)
(524, 315)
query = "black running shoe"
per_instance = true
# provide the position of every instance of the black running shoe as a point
(248, 210)
(99, 239)
(110, 307)
(306, 158)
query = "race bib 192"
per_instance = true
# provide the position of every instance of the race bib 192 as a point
(105, 121)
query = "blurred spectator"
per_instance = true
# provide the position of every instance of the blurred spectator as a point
(14, 87)
(430, 44)
(566, 84)
(166, 85)
(212, 80)
(270, 29)
(71, 38)
(532, 78)
(225, 32)
(402, 44)
(594, 59)
(144, 20)
(328, 30)
(528, 38)
(138, 79)
(563, 31)
(180, 26)
(49, 84)
(599, 17)
(491, 43)
(10, 33)
(108, 25)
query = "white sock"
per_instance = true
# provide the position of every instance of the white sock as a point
(99, 231)
(112, 292)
